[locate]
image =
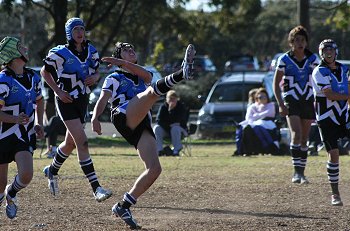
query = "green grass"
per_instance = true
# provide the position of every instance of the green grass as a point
(208, 156)
(109, 141)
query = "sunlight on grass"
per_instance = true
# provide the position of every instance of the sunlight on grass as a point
(114, 158)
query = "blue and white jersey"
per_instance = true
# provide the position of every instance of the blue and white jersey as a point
(19, 94)
(71, 71)
(338, 81)
(123, 86)
(297, 76)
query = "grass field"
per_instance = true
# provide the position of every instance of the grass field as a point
(209, 191)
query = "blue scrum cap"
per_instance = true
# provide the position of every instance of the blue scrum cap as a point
(70, 24)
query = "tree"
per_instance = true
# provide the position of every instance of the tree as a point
(59, 10)
(303, 13)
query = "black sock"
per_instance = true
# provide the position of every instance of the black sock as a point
(57, 162)
(296, 159)
(162, 86)
(335, 189)
(15, 187)
(127, 201)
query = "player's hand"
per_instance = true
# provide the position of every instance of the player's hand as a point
(283, 110)
(39, 130)
(64, 96)
(22, 119)
(172, 105)
(96, 126)
(91, 80)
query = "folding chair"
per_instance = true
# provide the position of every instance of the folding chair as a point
(187, 140)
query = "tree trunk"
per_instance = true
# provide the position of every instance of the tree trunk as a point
(60, 16)
(303, 14)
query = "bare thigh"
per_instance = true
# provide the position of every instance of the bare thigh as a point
(139, 106)
(294, 124)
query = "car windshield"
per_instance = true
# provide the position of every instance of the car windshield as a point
(233, 92)
(243, 59)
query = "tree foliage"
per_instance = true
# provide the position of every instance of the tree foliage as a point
(160, 30)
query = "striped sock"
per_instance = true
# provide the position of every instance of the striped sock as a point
(303, 157)
(57, 162)
(162, 86)
(333, 172)
(333, 176)
(88, 168)
(15, 187)
(295, 152)
(128, 200)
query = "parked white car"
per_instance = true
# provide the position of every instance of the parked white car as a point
(226, 104)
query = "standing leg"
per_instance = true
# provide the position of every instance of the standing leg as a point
(333, 176)
(51, 171)
(76, 129)
(294, 123)
(147, 151)
(305, 131)
(24, 161)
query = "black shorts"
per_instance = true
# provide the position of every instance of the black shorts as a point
(331, 133)
(11, 145)
(132, 136)
(304, 109)
(76, 109)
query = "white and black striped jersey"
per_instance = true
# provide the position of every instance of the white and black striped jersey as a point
(123, 86)
(337, 80)
(19, 94)
(297, 75)
(72, 70)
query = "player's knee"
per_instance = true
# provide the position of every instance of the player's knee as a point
(155, 170)
(70, 145)
(26, 177)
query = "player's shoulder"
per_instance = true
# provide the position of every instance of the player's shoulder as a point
(58, 49)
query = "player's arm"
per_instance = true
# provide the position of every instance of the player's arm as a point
(98, 110)
(48, 73)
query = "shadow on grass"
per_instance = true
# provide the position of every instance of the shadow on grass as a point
(106, 141)
(114, 154)
(119, 141)
(229, 212)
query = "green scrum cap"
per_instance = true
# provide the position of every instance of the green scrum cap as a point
(9, 50)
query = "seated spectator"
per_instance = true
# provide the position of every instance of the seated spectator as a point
(257, 133)
(170, 122)
(251, 96)
(238, 138)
